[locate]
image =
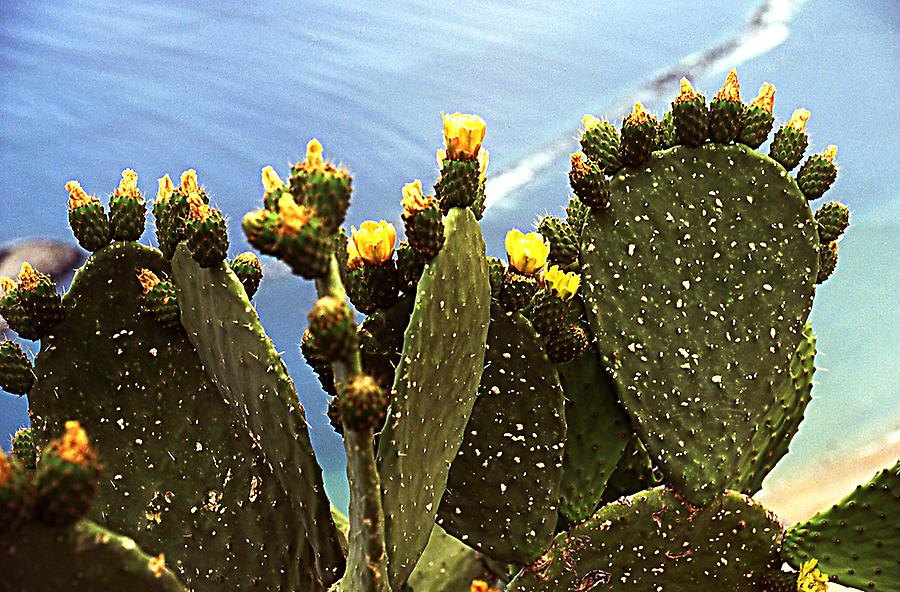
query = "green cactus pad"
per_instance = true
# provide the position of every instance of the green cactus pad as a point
(698, 282)
(634, 473)
(598, 429)
(434, 389)
(185, 478)
(856, 540)
(504, 484)
(446, 565)
(782, 418)
(653, 537)
(244, 364)
(84, 557)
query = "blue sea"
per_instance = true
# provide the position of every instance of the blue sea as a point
(88, 88)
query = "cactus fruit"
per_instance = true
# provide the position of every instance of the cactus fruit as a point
(332, 329)
(518, 290)
(127, 209)
(639, 137)
(261, 229)
(832, 219)
(16, 372)
(496, 273)
(34, 304)
(576, 214)
(410, 265)
(23, 448)
(16, 495)
(422, 220)
(818, 173)
(87, 218)
(159, 298)
(362, 403)
(726, 111)
(563, 242)
(462, 161)
(171, 210)
(568, 344)
(601, 144)
(318, 362)
(790, 140)
(321, 187)
(665, 129)
(589, 182)
(248, 270)
(273, 188)
(302, 240)
(690, 115)
(66, 479)
(758, 118)
(828, 258)
(207, 233)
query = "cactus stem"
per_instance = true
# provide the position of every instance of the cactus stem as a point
(367, 563)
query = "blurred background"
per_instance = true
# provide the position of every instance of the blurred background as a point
(89, 88)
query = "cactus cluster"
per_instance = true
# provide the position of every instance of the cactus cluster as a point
(593, 414)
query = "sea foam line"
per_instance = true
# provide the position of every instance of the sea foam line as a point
(766, 29)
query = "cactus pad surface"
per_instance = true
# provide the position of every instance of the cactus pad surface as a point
(434, 389)
(698, 281)
(654, 537)
(503, 486)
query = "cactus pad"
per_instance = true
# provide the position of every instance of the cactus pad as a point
(856, 540)
(640, 542)
(184, 478)
(782, 418)
(598, 429)
(244, 365)
(698, 281)
(503, 485)
(446, 565)
(434, 389)
(84, 557)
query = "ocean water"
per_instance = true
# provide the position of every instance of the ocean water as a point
(89, 88)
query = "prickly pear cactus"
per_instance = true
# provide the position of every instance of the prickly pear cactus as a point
(503, 485)
(85, 557)
(655, 536)
(434, 389)
(190, 484)
(699, 279)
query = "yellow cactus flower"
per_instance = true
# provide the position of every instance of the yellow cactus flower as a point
(686, 91)
(199, 211)
(810, 579)
(314, 158)
(166, 189)
(527, 253)
(74, 446)
(639, 115)
(482, 164)
(28, 277)
(564, 284)
(799, 119)
(292, 217)
(270, 180)
(7, 285)
(157, 565)
(128, 185)
(731, 90)
(374, 241)
(590, 122)
(248, 258)
(189, 182)
(766, 98)
(148, 280)
(463, 135)
(354, 260)
(414, 200)
(830, 153)
(77, 196)
(478, 586)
